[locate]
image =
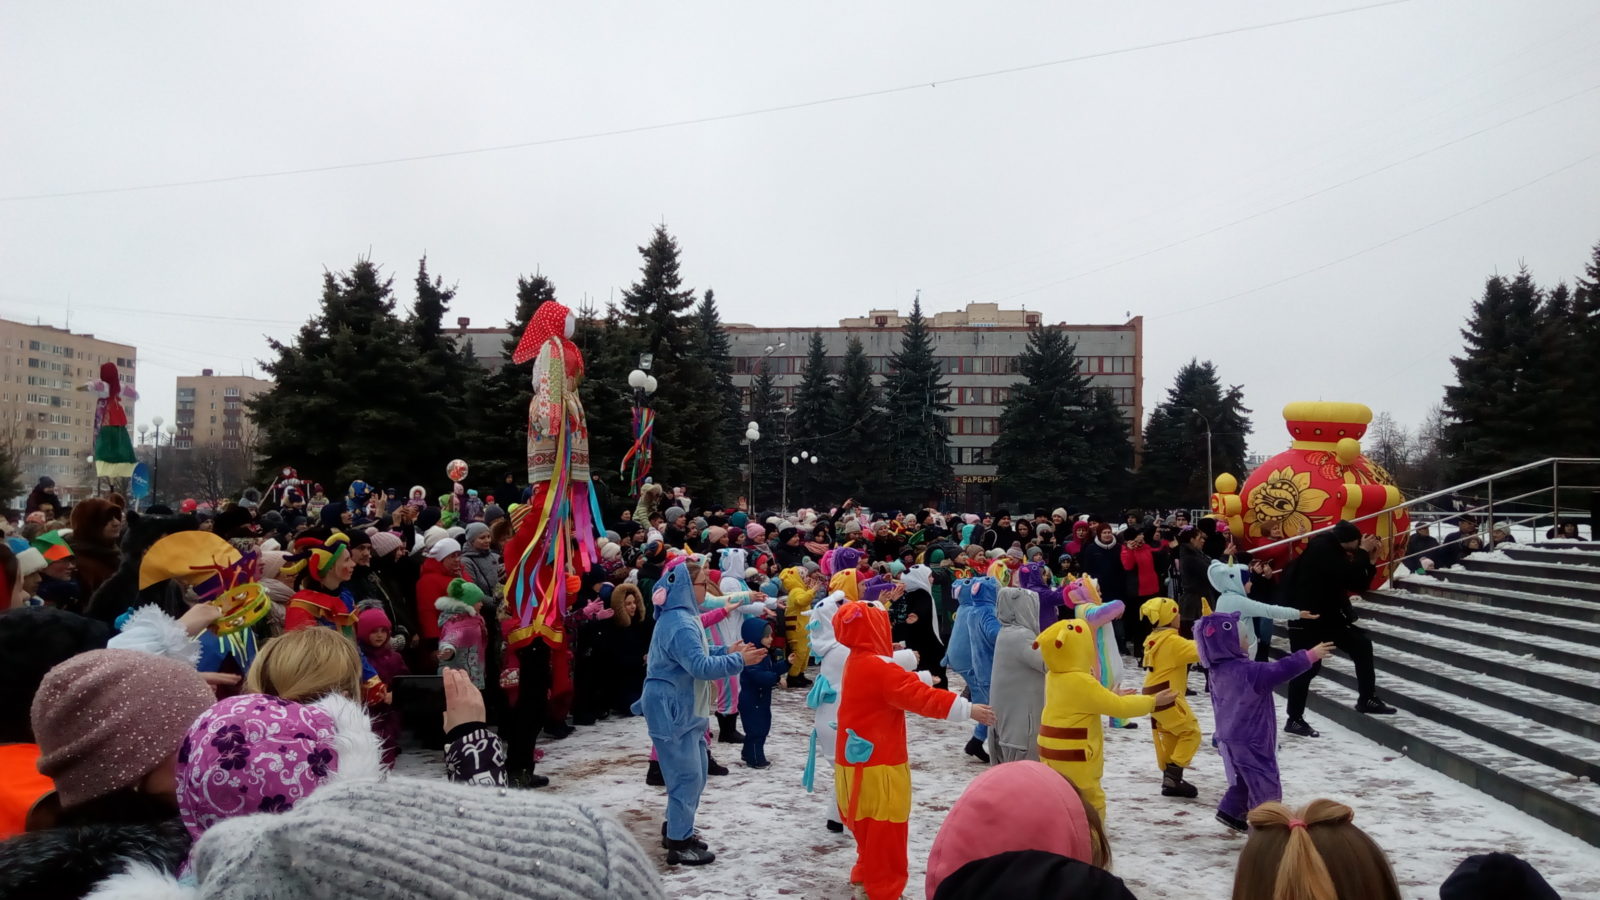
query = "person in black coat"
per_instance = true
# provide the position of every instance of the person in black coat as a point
(1193, 583)
(915, 623)
(1419, 550)
(1335, 564)
(624, 646)
(1102, 561)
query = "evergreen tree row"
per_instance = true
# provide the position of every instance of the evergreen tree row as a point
(368, 390)
(1525, 375)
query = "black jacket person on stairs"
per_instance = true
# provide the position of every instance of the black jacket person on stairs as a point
(1335, 565)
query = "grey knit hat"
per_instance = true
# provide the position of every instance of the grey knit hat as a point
(420, 838)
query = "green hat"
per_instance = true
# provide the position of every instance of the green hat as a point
(465, 592)
(52, 546)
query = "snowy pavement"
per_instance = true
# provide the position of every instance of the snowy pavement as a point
(770, 842)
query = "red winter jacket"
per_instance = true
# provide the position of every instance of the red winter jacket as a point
(1141, 560)
(433, 583)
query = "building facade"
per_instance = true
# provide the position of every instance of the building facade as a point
(44, 412)
(978, 347)
(211, 411)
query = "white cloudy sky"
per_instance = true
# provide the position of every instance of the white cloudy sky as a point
(1313, 205)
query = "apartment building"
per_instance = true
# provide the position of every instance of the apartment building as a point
(978, 347)
(211, 411)
(49, 418)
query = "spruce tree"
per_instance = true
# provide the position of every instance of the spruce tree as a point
(812, 427)
(1492, 426)
(915, 406)
(1108, 466)
(858, 449)
(447, 379)
(656, 307)
(344, 396)
(499, 445)
(1175, 441)
(721, 403)
(766, 409)
(609, 354)
(1042, 451)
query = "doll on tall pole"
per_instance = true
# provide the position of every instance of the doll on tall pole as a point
(554, 536)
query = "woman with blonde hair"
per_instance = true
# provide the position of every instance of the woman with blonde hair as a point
(1316, 853)
(307, 665)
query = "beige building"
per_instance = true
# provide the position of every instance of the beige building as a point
(977, 348)
(49, 420)
(211, 411)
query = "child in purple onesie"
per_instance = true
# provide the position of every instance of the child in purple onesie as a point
(1246, 732)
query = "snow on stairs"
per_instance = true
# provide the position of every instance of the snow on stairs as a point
(1495, 668)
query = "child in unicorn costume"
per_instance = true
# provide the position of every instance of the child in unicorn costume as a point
(1229, 581)
(731, 563)
(1089, 608)
(826, 690)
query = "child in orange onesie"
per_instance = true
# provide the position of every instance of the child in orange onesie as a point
(871, 775)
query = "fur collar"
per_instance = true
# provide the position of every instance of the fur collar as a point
(450, 606)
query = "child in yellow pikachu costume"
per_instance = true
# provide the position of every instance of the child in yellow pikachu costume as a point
(796, 616)
(1070, 739)
(1167, 657)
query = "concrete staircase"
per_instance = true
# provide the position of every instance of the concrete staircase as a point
(1495, 668)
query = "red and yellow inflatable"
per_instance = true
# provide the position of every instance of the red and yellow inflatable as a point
(1319, 480)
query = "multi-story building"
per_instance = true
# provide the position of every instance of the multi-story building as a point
(49, 420)
(978, 348)
(211, 411)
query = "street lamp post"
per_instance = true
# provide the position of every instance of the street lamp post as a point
(1210, 476)
(795, 460)
(640, 454)
(156, 433)
(752, 433)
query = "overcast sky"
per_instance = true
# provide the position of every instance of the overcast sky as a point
(1089, 190)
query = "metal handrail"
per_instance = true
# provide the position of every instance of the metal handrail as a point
(1487, 479)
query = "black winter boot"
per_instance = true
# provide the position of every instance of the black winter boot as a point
(1173, 785)
(975, 748)
(653, 775)
(711, 766)
(687, 853)
(1239, 825)
(728, 729)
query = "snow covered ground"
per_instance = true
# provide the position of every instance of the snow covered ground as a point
(770, 841)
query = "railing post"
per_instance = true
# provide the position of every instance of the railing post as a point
(1489, 526)
(1555, 491)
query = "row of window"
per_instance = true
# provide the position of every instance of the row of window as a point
(971, 456)
(949, 365)
(969, 396)
(44, 434)
(68, 353)
(50, 451)
(963, 396)
(972, 424)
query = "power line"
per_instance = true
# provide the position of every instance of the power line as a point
(1383, 243)
(704, 120)
(1304, 197)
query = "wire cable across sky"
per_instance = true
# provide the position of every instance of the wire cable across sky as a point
(703, 120)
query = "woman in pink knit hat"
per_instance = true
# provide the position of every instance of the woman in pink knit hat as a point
(108, 724)
(1012, 807)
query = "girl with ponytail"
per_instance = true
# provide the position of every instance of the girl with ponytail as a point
(1316, 853)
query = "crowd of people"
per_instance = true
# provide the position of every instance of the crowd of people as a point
(145, 747)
